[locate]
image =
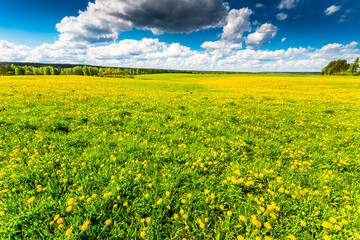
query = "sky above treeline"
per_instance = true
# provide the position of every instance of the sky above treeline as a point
(215, 35)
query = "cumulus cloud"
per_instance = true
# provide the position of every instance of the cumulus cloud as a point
(336, 50)
(263, 34)
(288, 4)
(281, 16)
(152, 53)
(221, 45)
(259, 5)
(104, 20)
(11, 52)
(237, 22)
(283, 40)
(332, 9)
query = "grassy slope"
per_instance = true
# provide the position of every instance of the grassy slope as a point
(273, 148)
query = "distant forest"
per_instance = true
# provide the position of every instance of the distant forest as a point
(342, 67)
(9, 69)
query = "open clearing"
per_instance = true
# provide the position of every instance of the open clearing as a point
(178, 156)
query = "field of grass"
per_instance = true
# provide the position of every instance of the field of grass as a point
(180, 156)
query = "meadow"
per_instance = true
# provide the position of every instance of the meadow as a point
(180, 156)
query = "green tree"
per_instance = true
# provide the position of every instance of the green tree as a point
(336, 67)
(17, 71)
(354, 67)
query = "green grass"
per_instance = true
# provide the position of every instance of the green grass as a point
(279, 149)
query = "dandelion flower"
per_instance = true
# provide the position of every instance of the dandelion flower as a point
(126, 204)
(167, 193)
(303, 223)
(142, 234)
(229, 213)
(70, 201)
(240, 237)
(267, 225)
(148, 219)
(108, 222)
(69, 208)
(68, 232)
(60, 220)
(159, 201)
(85, 226)
(30, 200)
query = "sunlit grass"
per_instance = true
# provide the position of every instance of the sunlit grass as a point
(180, 156)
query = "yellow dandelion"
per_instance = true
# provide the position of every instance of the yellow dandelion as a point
(240, 237)
(303, 223)
(159, 201)
(229, 213)
(176, 216)
(167, 193)
(142, 234)
(85, 226)
(70, 201)
(212, 196)
(68, 232)
(2, 213)
(147, 195)
(267, 225)
(326, 237)
(332, 219)
(69, 208)
(30, 200)
(222, 207)
(60, 226)
(326, 225)
(148, 219)
(256, 223)
(207, 191)
(242, 218)
(292, 237)
(60, 220)
(126, 204)
(108, 222)
(189, 195)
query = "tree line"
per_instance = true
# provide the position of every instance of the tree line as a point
(342, 67)
(9, 70)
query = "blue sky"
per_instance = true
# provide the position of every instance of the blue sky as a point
(247, 35)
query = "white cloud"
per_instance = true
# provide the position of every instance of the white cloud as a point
(283, 40)
(263, 34)
(11, 52)
(288, 4)
(104, 20)
(336, 50)
(151, 53)
(281, 16)
(221, 45)
(237, 22)
(332, 9)
(259, 5)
